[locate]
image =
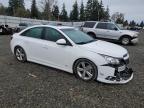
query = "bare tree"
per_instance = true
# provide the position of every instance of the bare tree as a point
(47, 8)
(118, 17)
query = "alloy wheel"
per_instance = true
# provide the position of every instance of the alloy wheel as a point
(85, 70)
(20, 54)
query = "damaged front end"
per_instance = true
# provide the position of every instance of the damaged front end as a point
(122, 72)
(119, 74)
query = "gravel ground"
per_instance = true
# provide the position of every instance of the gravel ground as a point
(29, 85)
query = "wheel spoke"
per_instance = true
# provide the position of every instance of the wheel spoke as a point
(18, 50)
(83, 75)
(83, 64)
(17, 54)
(20, 57)
(80, 69)
(89, 74)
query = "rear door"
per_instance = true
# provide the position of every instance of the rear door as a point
(88, 26)
(33, 43)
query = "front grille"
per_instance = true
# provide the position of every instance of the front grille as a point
(124, 62)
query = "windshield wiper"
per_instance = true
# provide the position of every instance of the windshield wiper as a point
(81, 43)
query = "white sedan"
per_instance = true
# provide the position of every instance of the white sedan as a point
(71, 50)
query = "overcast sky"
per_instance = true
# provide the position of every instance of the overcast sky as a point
(132, 9)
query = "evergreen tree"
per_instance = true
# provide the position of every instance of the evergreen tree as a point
(21, 12)
(132, 23)
(75, 12)
(89, 9)
(56, 12)
(63, 14)
(47, 11)
(82, 12)
(125, 23)
(2, 10)
(101, 11)
(21, 4)
(142, 24)
(107, 15)
(14, 5)
(95, 11)
(34, 10)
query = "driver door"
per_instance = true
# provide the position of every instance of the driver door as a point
(113, 32)
(56, 55)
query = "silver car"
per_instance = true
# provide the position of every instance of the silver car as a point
(110, 31)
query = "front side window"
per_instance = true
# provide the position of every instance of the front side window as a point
(33, 32)
(52, 34)
(102, 26)
(111, 26)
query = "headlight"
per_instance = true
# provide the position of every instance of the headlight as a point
(111, 60)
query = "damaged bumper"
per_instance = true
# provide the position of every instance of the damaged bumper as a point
(121, 77)
(115, 74)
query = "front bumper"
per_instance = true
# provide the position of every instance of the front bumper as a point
(134, 40)
(121, 77)
(115, 75)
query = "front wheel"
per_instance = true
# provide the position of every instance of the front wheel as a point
(85, 70)
(92, 35)
(125, 40)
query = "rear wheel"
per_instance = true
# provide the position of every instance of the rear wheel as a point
(20, 54)
(85, 70)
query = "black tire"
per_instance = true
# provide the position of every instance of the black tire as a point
(92, 74)
(20, 54)
(92, 35)
(125, 40)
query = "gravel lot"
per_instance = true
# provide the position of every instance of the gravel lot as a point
(29, 85)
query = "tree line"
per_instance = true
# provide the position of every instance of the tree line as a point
(94, 10)
(49, 10)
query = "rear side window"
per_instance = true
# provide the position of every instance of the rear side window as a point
(33, 32)
(102, 26)
(52, 34)
(89, 24)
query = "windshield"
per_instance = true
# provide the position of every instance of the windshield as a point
(77, 36)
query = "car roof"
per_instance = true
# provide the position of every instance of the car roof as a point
(100, 21)
(56, 27)
(92, 21)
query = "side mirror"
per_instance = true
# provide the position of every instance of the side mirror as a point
(61, 42)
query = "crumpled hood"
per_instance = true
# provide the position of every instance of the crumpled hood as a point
(105, 48)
